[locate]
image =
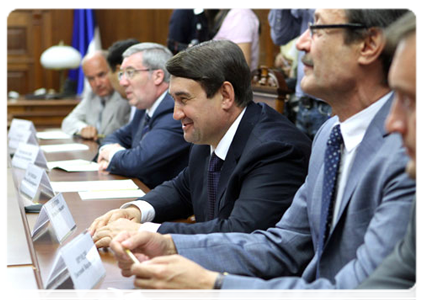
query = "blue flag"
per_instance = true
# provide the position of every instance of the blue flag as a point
(84, 37)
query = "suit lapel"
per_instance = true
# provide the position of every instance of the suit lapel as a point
(165, 105)
(241, 137)
(108, 112)
(366, 151)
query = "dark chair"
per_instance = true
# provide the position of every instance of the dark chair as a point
(269, 86)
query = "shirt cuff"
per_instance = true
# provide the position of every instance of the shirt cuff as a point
(149, 226)
(112, 153)
(147, 210)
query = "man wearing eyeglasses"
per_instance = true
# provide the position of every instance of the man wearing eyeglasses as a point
(102, 109)
(340, 224)
(151, 147)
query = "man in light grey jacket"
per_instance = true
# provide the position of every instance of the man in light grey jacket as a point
(102, 110)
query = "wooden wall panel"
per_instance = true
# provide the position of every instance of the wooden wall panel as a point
(30, 32)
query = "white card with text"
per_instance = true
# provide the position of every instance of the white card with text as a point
(28, 154)
(22, 136)
(18, 125)
(57, 212)
(83, 261)
(36, 180)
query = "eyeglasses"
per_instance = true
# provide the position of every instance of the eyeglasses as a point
(353, 26)
(130, 73)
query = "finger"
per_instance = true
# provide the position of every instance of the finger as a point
(117, 247)
(103, 242)
(117, 215)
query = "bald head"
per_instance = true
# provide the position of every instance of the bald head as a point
(96, 71)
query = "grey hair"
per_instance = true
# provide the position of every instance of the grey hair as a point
(155, 56)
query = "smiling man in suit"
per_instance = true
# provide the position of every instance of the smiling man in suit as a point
(340, 224)
(246, 164)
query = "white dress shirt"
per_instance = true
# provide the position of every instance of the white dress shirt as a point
(353, 130)
(147, 210)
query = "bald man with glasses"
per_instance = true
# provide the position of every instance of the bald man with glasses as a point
(152, 146)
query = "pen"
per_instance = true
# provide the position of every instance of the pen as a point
(132, 256)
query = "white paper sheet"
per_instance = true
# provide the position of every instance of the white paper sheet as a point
(53, 135)
(74, 165)
(93, 186)
(64, 147)
(111, 194)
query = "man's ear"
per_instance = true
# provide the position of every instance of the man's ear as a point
(158, 76)
(372, 46)
(228, 95)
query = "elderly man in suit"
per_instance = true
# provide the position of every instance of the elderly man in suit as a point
(247, 162)
(398, 270)
(151, 147)
(102, 110)
(339, 226)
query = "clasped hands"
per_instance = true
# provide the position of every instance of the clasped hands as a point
(104, 228)
(160, 266)
(104, 155)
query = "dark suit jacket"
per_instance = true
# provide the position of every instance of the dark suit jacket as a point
(265, 165)
(398, 270)
(159, 156)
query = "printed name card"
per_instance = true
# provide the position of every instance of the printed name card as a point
(18, 125)
(57, 212)
(22, 136)
(36, 181)
(80, 260)
(28, 154)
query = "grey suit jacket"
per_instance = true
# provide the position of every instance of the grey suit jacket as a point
(374, 215)
(90, 111)
(398, 276)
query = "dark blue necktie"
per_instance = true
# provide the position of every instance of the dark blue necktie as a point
(332, 159)
(215, 166)
(142, 129)
(146, 126)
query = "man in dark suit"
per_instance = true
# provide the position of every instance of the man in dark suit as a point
(263, 157)
(151, 147)
(340, 224)
(398, 270)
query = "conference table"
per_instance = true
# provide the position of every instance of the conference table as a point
(30, 262)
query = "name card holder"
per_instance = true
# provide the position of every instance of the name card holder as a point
(36, 182)
(23, 136)
(56, 212)
(20, 124)
(79, 260)
(28, 154)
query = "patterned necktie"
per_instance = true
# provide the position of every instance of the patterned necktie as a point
(146, 126)
(332, 159)
(215, 166)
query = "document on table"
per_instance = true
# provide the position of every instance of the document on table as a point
(64, 147)
(73, 165)
(91, 195)
(100, 189)
(52, 135)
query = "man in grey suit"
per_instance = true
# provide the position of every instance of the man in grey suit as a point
(343, 65)
(398, 270)
(102, 109)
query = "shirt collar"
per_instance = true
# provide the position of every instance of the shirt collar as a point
(354, 128)
(150, 111)
(223, 147)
